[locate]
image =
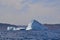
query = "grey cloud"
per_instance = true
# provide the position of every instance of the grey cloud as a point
(22, 12)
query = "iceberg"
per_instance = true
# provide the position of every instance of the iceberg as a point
(35, 25)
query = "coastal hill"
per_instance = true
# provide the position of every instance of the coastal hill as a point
(3, 26)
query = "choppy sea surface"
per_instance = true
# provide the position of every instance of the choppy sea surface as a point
(29, 35)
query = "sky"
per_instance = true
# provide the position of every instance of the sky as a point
(21, 12)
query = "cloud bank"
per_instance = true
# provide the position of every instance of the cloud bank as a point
(23, 11)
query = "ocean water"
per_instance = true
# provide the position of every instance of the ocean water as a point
(28, 35)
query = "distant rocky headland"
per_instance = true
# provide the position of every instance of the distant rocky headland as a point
(3, 26)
